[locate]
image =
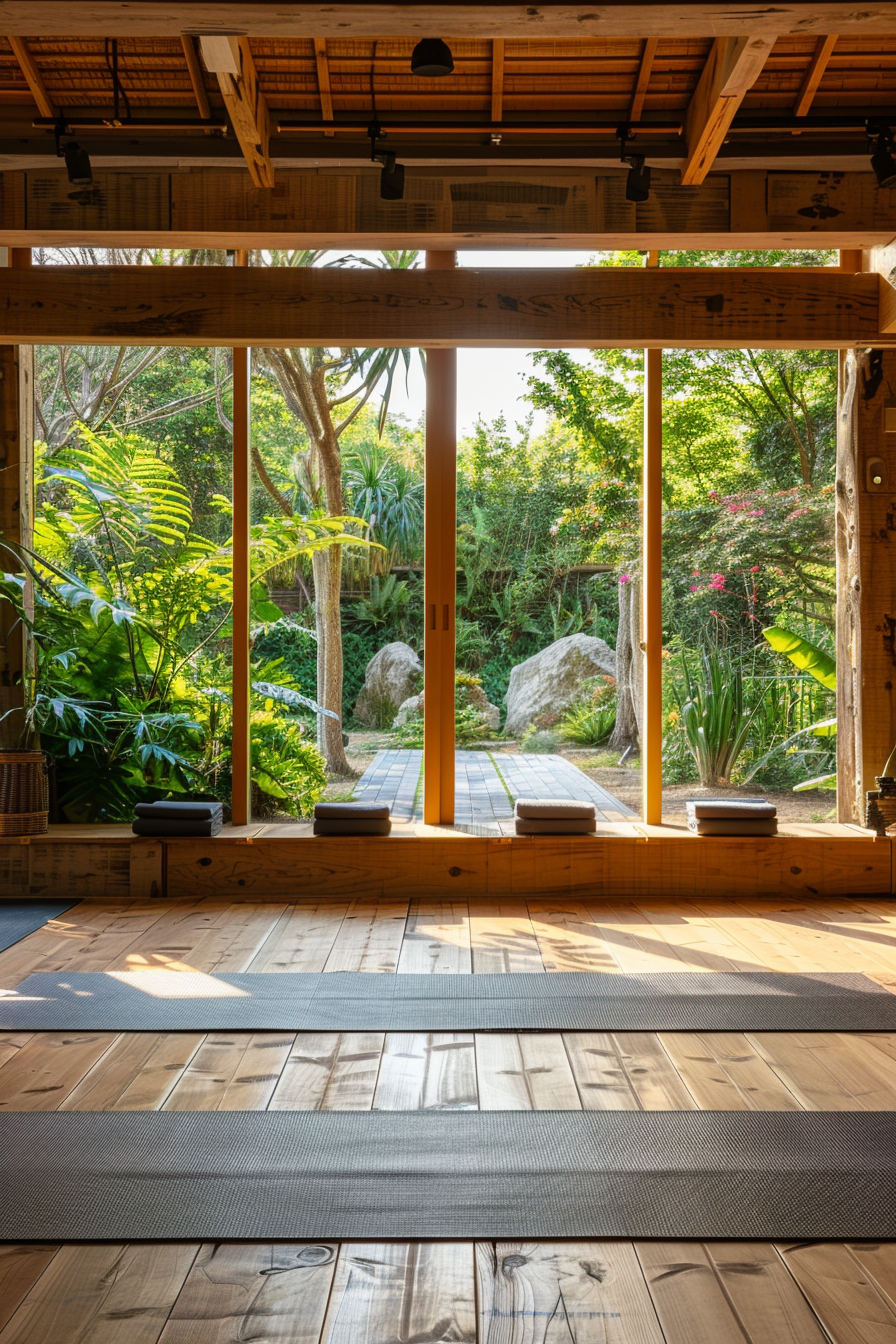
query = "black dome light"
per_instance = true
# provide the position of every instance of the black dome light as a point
(883, 163)
(432, 58)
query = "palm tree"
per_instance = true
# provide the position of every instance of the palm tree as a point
(326, 390)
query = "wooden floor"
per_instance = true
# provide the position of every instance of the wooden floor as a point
(551, 1293)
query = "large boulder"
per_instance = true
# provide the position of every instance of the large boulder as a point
(550, 681)
(414, 706)
(393, 674)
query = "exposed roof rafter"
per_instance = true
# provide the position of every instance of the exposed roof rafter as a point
(230, 58)
(732, 68)
(33, 77)
(813, 77)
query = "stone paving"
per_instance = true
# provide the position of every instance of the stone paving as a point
(486, 785)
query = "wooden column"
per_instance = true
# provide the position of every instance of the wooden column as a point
(242, 493)
(16, 503)
(652, 586)
(866, 574)
(439, 575)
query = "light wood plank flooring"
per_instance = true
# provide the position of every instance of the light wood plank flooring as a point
(551, 1293)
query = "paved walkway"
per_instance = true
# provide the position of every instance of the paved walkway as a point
(486, 785)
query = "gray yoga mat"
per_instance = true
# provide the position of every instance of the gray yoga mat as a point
(160, 1000)
(19, 918)
(295, 1175)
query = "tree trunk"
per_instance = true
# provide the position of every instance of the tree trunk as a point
(629, 669)
(327, 566)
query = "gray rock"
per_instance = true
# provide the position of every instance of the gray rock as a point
(393, 674)
(550, 681)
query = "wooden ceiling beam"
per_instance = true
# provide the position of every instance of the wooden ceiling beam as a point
(813, 76)
(498, 79)
(541, 309)
(732, 68)
(194, 66)
(323, 80)
(230, 59)
(33, 77)
(414, 19)
(648, 54)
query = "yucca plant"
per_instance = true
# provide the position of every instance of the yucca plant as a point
(714, 715)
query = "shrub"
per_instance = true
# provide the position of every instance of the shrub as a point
(591, 720)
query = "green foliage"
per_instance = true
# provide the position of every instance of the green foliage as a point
(590, 721)
(714, 716)
(387, 604)
(804, 655)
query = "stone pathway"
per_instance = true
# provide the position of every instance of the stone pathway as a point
(484, 794)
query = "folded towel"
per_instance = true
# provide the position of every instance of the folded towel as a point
(550, 809)
(180, 811)
(172, 826)
(372, 811)
(351, 826)
(732, 826)
(750, 809)
(555, 826)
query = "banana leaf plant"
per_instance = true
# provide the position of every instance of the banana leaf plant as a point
(806, 657)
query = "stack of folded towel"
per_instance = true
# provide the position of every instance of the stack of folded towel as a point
(732, 816)
(351, 819)
(554, 816)
(173, 818)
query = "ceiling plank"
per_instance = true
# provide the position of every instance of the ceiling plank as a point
(648, 55)
(323, 80)
(813, 77)
(541, 309)
(474, 19)
(33, 77)
(195, 68)
(732, 68)
(498, 79)
(230, 58)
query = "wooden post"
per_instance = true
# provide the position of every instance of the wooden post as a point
(439, 575)
(652, 586)
(866, 574)
(242, 494)
(16, 505)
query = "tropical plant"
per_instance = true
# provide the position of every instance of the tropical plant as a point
(714, 716)
(386, 604)
(591, 720)
(809, 658)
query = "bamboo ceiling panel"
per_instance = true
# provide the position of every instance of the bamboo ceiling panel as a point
(555, 76)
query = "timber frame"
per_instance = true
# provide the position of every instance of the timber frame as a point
(755, 124)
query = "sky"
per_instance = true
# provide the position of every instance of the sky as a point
(489, 382)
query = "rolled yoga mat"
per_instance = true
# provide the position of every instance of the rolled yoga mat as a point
(489, 1175)
(19, 918)
(162, 1000)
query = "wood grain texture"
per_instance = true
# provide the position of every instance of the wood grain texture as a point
(234, 1291)
(420, 1072)
(281, 306)
(403, 1291)
(563, 1293)
(20, 1268)
(102, 1294)
(846, 1300)
(369, 18)
(732, 67)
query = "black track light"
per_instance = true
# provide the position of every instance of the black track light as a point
(637, 184)
(883, 164)
(391, 178)
(77, 165)
(432, 58)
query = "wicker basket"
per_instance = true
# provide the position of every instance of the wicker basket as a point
(24, 793)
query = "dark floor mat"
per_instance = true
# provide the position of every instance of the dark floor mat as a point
(19, 918)
(129, 1176)
(159, 1000)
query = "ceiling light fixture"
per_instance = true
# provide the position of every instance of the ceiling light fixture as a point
(392, 176)
(77, 160)
(432, 58)
(637, 184)
(883, 162)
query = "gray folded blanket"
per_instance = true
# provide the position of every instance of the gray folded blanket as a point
(552, 809)
(331, 811)
(751, 809)
(180, 811)
(554, 826)
(732, 826)
(174, 826)
(351, 826)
